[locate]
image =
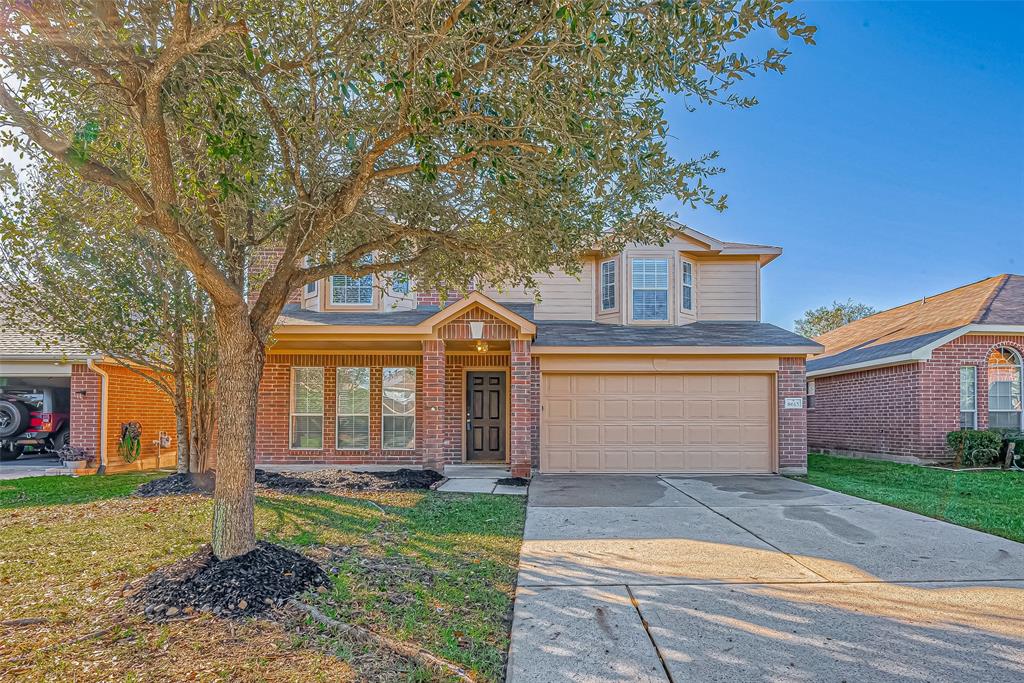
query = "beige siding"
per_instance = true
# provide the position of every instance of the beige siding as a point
(562, 296)
(727, 289)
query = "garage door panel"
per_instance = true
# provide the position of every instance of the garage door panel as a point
(668, 422)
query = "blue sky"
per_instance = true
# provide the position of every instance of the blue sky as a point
(888, 161)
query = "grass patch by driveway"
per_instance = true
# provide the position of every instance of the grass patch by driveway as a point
(436, 570)
(990, 501)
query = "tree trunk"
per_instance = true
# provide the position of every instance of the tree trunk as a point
(240, 357)
(180, 403)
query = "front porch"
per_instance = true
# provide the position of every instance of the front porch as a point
(467, 392)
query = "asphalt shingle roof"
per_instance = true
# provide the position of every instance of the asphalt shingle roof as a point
(996, 300)
(702, 333)
(293, 314)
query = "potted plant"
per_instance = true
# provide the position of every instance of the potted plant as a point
(73, 458)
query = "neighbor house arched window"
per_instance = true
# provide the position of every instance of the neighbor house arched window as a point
(1004, 388)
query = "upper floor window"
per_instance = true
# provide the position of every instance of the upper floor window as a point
(1004, 389)
(607, 285)
(400, 283)
(968, 397)
(311, 286)
(350, 291)
(650, 289)
(686, 285)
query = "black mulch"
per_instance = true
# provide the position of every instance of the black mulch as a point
(243, 586)
(297, 482)
(513, 481)
(177, 485)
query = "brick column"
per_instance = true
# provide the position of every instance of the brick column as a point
(522, 417)
(433, 404)
(791, 381)
(85, 411)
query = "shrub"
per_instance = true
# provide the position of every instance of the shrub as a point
(69, 452)
(1009, 436)
(979, 448)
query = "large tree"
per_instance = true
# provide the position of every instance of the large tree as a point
(818, 321)
(448, 139)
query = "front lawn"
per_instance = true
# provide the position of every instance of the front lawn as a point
(431, 569)
(990, 501)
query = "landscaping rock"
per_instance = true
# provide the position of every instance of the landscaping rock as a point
(346, 480)
(242, 586)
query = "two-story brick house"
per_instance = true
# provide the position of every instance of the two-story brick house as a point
(650, 360)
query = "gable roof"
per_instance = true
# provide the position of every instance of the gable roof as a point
(909, 332)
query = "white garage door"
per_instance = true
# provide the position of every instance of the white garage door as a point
(656, 423)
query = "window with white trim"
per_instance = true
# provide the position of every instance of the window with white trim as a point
(650, 289)
(352, 291)
(307, 414)
(608, 285)
(353, 409)
(810, 395)
(1004, 389)
(310, 286)
(686, 285)
(400, 283)
(968, 397)
(398, 414)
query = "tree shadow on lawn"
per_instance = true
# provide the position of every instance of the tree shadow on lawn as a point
(63, 490)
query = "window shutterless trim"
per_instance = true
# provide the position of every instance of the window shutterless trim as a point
(614, 285)
(383, 415)
(684, 285)
(974, 381)
(338, 414)
(633, 288)
(292, 414)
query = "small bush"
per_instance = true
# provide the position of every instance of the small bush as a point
(1010, 436)
(979, 448)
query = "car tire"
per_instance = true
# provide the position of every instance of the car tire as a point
(13, 418)
(60, 439)
(7, 455)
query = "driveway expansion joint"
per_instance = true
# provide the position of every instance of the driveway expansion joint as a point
(647, 630)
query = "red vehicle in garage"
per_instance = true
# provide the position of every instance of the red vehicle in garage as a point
(33, 421)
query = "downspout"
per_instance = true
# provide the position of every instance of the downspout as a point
(103, 414)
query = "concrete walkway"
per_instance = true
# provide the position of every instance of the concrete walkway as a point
(756, 578)
(479, 479)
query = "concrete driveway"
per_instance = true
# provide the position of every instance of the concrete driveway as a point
(756, 578)
(27, 466)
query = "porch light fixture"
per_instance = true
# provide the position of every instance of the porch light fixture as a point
(481, 346)
(476, 331)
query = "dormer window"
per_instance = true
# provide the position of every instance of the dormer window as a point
(608, 277)
(352, 291)
(686, 285)
(650, 289)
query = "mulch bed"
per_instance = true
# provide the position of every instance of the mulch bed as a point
(243, 586)
(513, 481)
(177, 485)
(298, 482)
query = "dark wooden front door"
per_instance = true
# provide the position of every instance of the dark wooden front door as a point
(485, 412)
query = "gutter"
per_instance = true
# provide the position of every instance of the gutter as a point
(918, 355)
(104, 381)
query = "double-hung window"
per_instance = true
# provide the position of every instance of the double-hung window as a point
(352, 291)
(686, 285)
(307, 417)
(353, 416)
(810, 395)
(968, 397)
(398, 412)
(608, 286)
(1004, 389)
(650, 289)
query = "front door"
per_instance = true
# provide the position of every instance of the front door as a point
(485, 413)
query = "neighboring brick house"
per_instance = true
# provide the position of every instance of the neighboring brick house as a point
(97, 395)
(894, 384)
(653, 359)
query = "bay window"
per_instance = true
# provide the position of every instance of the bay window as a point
(307, 409)
(398, 411)
(608, 286)
(686, 285)
(650, 289)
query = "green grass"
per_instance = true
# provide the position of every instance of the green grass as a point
(432, 569)
(64, 490)
(990, 501)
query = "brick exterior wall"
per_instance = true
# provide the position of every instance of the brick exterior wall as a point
(792, 427)
(903, 411)
(273, 414)
(130, 398)
(85, 410)
(433, 399)
(261, 264)
(524, 414)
